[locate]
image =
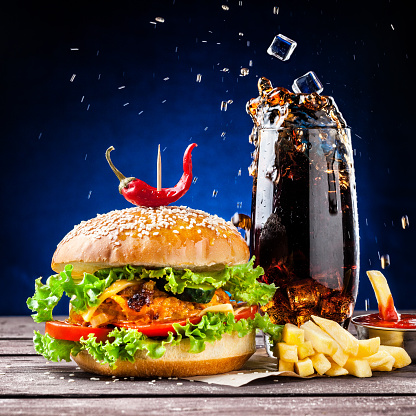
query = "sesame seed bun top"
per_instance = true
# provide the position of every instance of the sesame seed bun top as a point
(178, 237)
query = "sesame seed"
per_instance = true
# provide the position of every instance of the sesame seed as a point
(141, 221)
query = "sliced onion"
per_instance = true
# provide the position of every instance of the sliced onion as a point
(99, 319)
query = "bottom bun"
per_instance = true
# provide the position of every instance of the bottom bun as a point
(227, 354)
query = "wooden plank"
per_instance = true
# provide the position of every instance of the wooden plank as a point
(17, 347)
(25, 376)
(404, 405)
(18, 327)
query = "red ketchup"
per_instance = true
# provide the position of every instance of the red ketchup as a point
(405, 321)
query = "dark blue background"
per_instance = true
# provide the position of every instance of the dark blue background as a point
(135, 87)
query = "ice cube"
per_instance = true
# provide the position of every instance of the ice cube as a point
(303, 294)
(282, 47)
(338, 307)
(279, 311)
(278, 274)
(304, 315)
(307, 84)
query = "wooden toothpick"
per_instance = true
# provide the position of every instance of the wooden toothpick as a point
(159, 169)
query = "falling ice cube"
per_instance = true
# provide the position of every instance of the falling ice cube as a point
(307, 84)
(405, 222)
(385, 261)
(282, 47)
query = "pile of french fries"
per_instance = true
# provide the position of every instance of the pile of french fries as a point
(321, 346)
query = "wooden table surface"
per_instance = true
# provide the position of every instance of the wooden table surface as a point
(31, 385)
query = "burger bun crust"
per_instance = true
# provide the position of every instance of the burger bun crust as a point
(227, 354)
(177, 237)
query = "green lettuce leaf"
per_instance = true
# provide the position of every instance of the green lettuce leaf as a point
(241, 281)
(126, 342)
(54, 349)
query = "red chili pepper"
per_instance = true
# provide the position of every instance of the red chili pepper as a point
(140, 193)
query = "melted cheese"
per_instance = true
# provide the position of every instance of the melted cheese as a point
(116, 287)
(122, 302)
(225, 308)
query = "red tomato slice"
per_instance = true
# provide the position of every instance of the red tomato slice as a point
(70, 332)
(157, 329)
(246, 313)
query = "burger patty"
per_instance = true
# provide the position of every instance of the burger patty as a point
(144, 304)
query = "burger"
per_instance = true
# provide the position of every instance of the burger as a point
(161, 291)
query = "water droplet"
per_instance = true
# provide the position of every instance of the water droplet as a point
(275, 10)
(160, 19)
(385, 261)
(239, 172)
(272, 173)
(225, 7)
(405, 222)
(367, 304)
(195, 179)
(239, 204)
(89, 194)
(198, 78)
(223, 105)
(214, 193)
(244, 71)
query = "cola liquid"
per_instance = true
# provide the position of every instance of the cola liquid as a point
(304, 224)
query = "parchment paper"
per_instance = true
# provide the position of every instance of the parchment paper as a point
(260, 365)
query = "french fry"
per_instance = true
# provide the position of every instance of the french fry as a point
(367, 347)
(384, 298)
(285, 366)
(287, 352)
(304, 367)
(305, 350)
(320, 340)
(346, 340)
(335, 369)
(387, 366)
(320, 363)
(358, 367)
(292, 334)
(379, 358)
(340, 357)
(401, 357)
